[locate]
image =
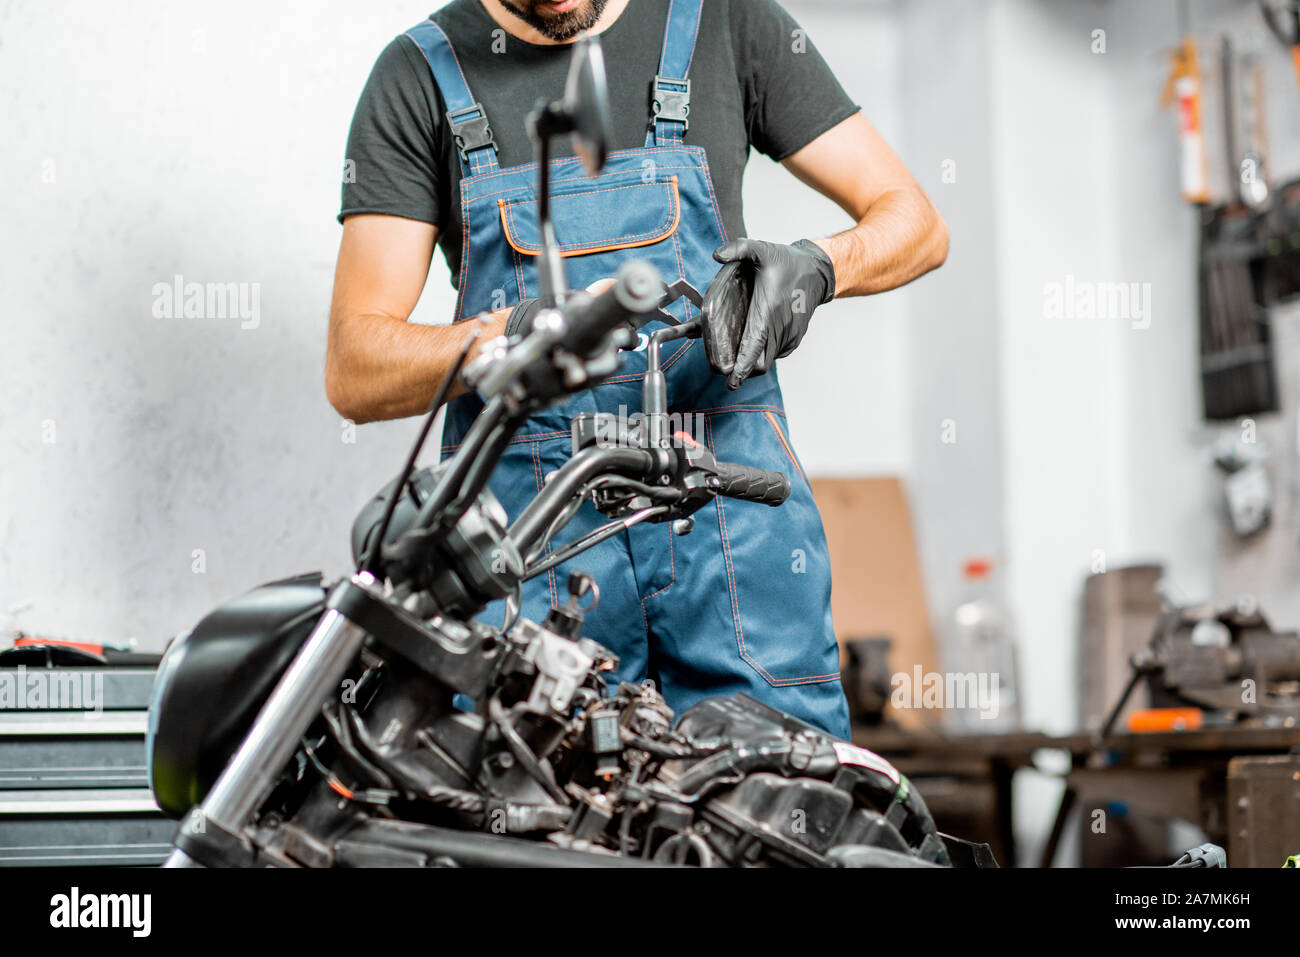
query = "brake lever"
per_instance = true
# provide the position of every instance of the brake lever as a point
(681, 289)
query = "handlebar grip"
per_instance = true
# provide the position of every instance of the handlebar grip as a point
(637, 290)
(752, 485)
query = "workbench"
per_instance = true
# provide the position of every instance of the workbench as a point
(1178, 775)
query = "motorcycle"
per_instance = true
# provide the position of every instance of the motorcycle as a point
(309, 724)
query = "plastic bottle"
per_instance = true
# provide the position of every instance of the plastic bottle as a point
(982, 691)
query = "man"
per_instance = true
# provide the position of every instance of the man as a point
(440, 154)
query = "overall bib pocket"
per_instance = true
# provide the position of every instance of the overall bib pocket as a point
(599, 224)
(647, 213)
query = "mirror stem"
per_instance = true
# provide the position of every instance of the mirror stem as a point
(551, 263)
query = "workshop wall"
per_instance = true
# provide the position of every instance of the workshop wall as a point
(1107, 461)
(1265, 566)
(158, 466)
(954, 416)
(1078, 441)
(847, 388)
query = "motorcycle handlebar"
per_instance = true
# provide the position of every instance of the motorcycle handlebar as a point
(637, 290)
(752, 484)
(734, 481)
(567, 481)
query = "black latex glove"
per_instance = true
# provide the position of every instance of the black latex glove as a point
(757, 308)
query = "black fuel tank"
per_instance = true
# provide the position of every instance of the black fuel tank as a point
(213, 681)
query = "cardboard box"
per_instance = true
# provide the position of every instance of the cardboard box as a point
(876, 584)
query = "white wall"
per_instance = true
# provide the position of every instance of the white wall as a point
(846, 388)
(205, 141)
(1062, 383)
(954, 421)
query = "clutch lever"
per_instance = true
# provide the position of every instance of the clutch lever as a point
(681, 289)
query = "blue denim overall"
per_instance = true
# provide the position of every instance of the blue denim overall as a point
(742, 603)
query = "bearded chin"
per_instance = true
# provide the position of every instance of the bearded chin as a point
(563, 27)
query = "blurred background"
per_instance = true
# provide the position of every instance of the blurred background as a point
(1087, 417)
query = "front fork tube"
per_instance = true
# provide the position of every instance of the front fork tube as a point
(312, 678)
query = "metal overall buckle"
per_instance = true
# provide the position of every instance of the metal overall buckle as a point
(473, 133)
(672, 100)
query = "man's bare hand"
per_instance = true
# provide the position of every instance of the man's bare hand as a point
(377, 364)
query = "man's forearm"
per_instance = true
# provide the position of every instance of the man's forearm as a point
(382, 368)
(901, 237)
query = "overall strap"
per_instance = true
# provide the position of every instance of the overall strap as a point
(466, 118)
(671, 93)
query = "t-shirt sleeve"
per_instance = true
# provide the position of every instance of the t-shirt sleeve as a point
(791, 96)
(391, 165)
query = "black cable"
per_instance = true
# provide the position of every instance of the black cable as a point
(346, 743)
(561, 519)
(539, 772)
(333, 780)
(442, 795)
(669, 750)
(370, 562)
(592, 538)
(566, 514)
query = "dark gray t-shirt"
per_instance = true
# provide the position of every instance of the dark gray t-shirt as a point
(756, 80)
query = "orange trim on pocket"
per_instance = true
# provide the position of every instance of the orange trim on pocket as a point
(771, 419)
(631, 243)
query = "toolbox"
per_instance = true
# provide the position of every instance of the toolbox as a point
(74, 786)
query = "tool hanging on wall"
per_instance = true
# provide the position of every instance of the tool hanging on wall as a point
(1183, 87)
(1242, 80)
(1238, 376)
(1247, 487)
(1253, 168)
(1238, 257)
